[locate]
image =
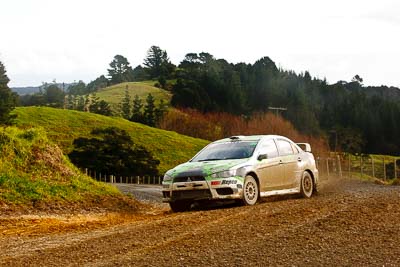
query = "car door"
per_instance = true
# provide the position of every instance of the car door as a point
(290, 161)
(270, 170)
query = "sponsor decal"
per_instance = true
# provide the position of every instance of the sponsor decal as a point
(215, 182)
(228, 182)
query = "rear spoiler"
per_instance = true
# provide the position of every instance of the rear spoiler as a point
(305, 146)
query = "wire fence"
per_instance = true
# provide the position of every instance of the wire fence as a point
(335, 166)
(359, 166)
(109, 178)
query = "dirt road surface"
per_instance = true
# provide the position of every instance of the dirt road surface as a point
(350, 223)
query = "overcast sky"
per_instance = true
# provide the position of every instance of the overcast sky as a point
(69, 40)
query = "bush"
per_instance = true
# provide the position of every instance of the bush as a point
(214, 126)
(112, 151)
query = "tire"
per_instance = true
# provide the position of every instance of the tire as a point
(306, 185)
(251, 192)
(180, 205)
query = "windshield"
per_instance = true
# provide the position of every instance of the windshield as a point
(231, 150)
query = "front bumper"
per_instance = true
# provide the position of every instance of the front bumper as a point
(227, 188)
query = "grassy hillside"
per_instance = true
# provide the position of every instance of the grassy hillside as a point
(114, 94)
(63, 126)
(34, 171)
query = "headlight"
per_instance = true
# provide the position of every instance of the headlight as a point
(224, 174)
(167, 178)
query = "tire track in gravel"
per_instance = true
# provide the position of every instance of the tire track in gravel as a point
(266, 232)
(108, 240)
(354, 224)
(170, 241)
(191, 237)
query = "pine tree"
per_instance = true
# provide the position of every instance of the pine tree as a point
(93, 102)
(70, 102)
(158, 64)
(160, 110)
(126, 105)
(8, 99)
(99, 106)
(137, 114)
(149, 111)
(120, 70)
(80, 100)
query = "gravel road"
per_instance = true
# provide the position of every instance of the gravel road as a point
(350, 223)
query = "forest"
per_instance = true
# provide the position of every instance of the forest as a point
(351, 116)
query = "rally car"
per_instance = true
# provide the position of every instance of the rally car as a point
(243, 168)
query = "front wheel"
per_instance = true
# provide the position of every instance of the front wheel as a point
(250, 191)
(307, 185)
(180, 206)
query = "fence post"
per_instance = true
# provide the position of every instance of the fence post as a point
(159, 179)
(361, 165)
(395, 169)
(384, 169)
(349, 174)
(327, 167)
(137, 179)
(373, 167)
(339, 166)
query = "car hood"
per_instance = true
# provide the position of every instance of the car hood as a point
(204, 168)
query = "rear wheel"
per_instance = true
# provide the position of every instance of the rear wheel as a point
(250, 191)
(307, 185)
(180, 205)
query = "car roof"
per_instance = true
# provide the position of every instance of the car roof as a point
(248, 138)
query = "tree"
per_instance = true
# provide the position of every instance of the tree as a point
(137, 114)
(160, 111)
(158, 64)
(112, 151)
(80, 103)
(8, 99)
(70, 102)
(77, 89)
(357, 78)
(126, 104)
(120, 70)
(98, 83)
(99, 106)
(140, 74)
(54, 95)
(149, 111)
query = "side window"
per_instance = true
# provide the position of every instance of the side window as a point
(269, 148)
(295, 149)
(285, 148)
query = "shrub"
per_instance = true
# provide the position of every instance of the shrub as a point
(112, 151)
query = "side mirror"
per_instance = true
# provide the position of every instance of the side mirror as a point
(262, 156)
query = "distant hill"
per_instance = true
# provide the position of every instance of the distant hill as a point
(26, 90)
(64, 126)
(115, 93)
(35, 89)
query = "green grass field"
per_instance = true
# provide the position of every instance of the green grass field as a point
(63, 126)
(33, 169)
(114, 94)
